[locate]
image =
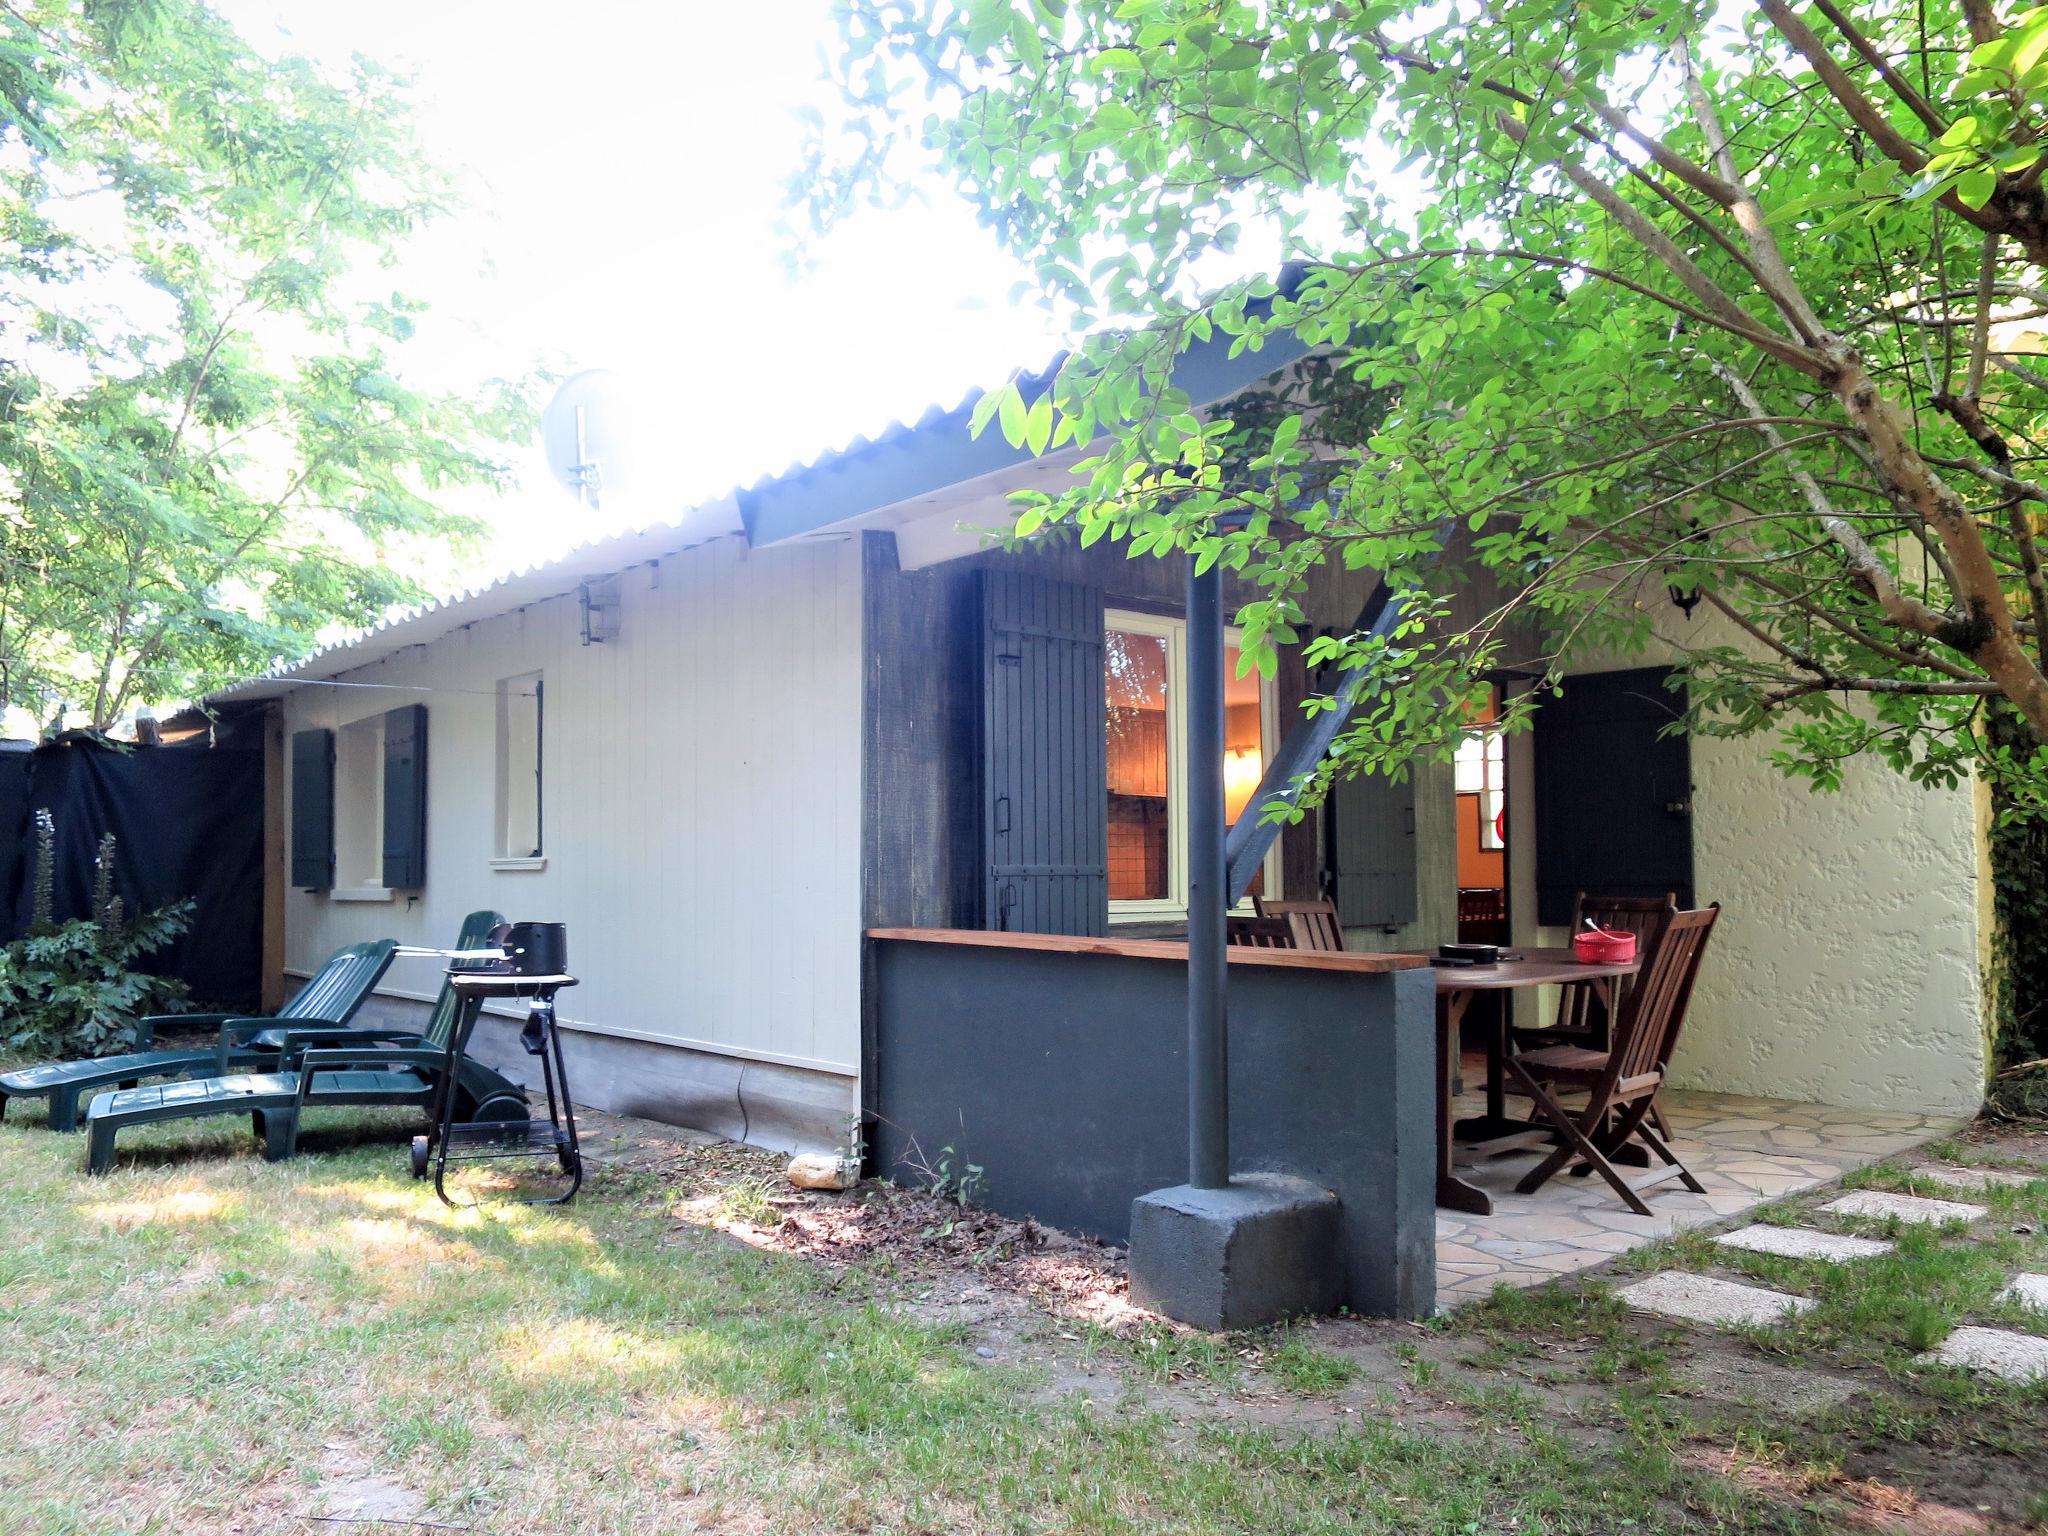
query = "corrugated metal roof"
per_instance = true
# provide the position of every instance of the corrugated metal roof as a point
(560, 574)
(516, 589)
(936, 417)
(836, 489)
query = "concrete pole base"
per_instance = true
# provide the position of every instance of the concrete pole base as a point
(1265, 1248)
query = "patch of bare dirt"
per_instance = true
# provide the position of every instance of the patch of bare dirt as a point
(1859, 1504)
(351, 1492)
(1987, 1462)
(2015, 1141)
(957, 1262)
(642, 1146)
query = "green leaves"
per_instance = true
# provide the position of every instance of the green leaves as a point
(1975, 186)
(1038, 424)
(74, 988)
(1011, 412)
(196, 487)
(1533, 398)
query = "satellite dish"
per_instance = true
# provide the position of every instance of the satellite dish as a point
(586, 433)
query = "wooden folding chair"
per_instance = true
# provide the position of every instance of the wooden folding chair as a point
(1258, 932)
(1583, 1015)
(1621, 1083)
(1313, 924)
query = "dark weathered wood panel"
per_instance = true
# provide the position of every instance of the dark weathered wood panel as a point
(922, 811)
(921, 805)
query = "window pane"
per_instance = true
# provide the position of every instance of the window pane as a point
(519, 786)
(1469, 770)
(1135, 684)
(359, 803)
(1244, 760)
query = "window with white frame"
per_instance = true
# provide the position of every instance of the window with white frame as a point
(1481, 769)
(521, 701)
(1145, 689)
(359, 805)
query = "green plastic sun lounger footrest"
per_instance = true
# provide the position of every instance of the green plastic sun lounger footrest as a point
(366, 1074)
(67, 1084)
(272, 1100)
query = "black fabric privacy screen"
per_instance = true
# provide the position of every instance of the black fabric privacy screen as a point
(188, 823)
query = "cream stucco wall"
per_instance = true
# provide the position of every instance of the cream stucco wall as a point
(1848, 965)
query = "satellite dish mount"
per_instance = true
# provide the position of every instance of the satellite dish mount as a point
(586, 433)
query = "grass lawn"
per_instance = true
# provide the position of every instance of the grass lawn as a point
(205, 1343)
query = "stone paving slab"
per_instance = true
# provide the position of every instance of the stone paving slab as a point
(1706, 1299)
(2029, 1291)
(1799, 1243)
(1995, 1352)
(1915, 1209)
(1805, 1145)
(1978, 1178)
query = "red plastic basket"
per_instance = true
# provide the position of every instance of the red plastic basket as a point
(1600, 947)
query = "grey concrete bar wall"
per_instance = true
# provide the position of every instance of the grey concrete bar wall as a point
(1059, 1066)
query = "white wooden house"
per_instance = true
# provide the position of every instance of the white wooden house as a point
(722, 748)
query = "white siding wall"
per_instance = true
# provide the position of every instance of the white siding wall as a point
(702, 777)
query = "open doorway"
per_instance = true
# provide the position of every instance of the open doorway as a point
(1480, 780)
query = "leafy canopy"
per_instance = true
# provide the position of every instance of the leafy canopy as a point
(207, 452)
(1708, 330)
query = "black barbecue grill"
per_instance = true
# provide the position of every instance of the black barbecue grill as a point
(528, 961)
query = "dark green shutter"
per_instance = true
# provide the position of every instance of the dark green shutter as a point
(1372, 850)
(313, 809)
(405, 798)
(1045, 794)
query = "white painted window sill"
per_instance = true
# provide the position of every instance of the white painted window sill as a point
(1165, 914)
(538, 862)
(360, 893)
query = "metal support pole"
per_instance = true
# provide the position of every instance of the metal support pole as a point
(1208, 962)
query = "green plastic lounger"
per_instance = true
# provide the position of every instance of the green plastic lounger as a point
(323, 1006)
(368, 1068)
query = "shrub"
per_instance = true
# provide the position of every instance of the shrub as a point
(71, 988)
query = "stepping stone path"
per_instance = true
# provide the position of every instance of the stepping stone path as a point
(1978, 1178)
(2030, 1291)
(1704, 1299)
(1995, 1352)
(1913, 1209)
(1799, 1243)
(1991, 1351)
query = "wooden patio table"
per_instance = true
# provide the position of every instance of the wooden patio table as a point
(1456, 986)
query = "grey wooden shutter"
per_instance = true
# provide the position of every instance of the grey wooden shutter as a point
(1045, 792)
(1372, 850)
(405, 797)
(313, 809)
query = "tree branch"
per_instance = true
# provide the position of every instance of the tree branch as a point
(1862, 111)
(1901, 87)
(1727, 314)
(1775, 277)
